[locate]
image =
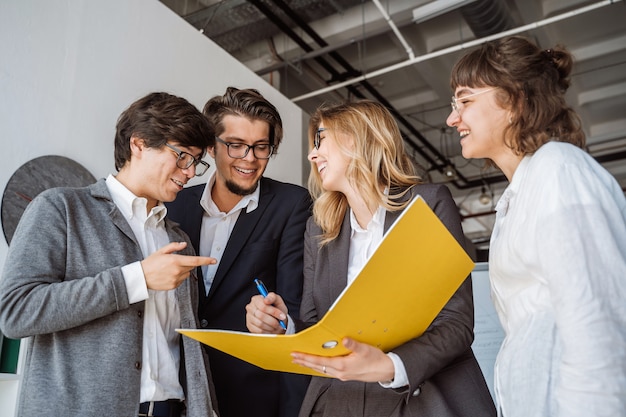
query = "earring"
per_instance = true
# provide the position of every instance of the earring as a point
(510, 120)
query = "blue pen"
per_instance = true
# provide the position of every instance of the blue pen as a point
(263, 291)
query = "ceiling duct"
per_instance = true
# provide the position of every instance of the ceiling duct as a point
(486, 17)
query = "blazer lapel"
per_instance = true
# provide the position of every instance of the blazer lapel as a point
(339, 249)
(338, 255)
(99, 190)
(195, 212)
(244, 227)
(392, 216)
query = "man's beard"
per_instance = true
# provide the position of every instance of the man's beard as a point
(236, 189)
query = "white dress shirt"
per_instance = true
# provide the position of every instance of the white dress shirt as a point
(363, 244)
(557, 267)
(217, 227)
(160, 350)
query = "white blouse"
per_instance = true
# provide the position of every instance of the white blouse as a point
(558, 277)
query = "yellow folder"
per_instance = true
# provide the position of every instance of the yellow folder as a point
(396, 296)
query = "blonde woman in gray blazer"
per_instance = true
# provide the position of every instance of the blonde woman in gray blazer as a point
(361, 180)
(64, 284)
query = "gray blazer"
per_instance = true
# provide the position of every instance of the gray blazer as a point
(63, 287)
(444, 377)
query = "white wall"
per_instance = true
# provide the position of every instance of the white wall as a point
(68, 68)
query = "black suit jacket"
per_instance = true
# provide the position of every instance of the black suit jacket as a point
(266, 243)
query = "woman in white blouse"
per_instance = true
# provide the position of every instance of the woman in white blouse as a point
(558, 250)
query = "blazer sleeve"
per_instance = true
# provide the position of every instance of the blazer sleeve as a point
(451, 333)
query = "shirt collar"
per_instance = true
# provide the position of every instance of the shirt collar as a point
(520, 173)
(250, 202)
(130, 205)
(502, 206)
(378, 220)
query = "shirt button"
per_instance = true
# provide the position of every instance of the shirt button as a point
(140, 314)
(137, 365)
(204, 323)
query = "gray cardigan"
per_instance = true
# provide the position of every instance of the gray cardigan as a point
(63, 287)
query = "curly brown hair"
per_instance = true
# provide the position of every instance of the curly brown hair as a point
(531, 83)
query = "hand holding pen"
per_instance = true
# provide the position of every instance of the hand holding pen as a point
(267, 312)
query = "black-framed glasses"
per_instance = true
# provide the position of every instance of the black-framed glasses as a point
(240, 150)
(317, 139)
(185, 160)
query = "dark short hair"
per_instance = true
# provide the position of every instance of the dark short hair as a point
(158, 118)
(248, 103)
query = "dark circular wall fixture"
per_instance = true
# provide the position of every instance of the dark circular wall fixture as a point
(33, 177)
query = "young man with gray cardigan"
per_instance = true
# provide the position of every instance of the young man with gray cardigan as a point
(98, 279)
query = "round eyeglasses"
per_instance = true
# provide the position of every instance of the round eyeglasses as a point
(185, 160)
(239, 150)
(458, 103)
(317, 139)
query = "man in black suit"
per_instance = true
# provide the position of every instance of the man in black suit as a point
(254, 227)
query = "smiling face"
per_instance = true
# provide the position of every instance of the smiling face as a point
(238, 177)
(152, 173)
(480, 122)
(331, 161)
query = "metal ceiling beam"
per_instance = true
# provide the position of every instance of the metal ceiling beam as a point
(433, 157)
(456, 48)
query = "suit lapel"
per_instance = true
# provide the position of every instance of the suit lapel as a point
(338, 255)
(195, 212)
(99, 190)
(244, 227)
(392, 216)
(339, 250)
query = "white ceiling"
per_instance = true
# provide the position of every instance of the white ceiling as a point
(316, 51)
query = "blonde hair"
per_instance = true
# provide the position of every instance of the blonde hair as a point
(377, 159)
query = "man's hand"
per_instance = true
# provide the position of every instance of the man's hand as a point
(263, 314)
(165, 270)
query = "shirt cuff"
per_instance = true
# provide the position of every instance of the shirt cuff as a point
(136, 286)
(291, 328)
(400, 378)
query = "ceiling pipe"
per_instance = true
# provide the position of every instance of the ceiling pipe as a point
(361, 37)
(289, 32)
(456, 48)
(434, 161)
(486, 17)
(322, 51)
(438, 161)
(435, 8)
(460, 182)
(431, 154)
(395, 30)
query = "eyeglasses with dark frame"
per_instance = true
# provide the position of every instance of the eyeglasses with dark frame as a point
(238, 150)
(185, 160)
(317, 139)
(458, 105)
